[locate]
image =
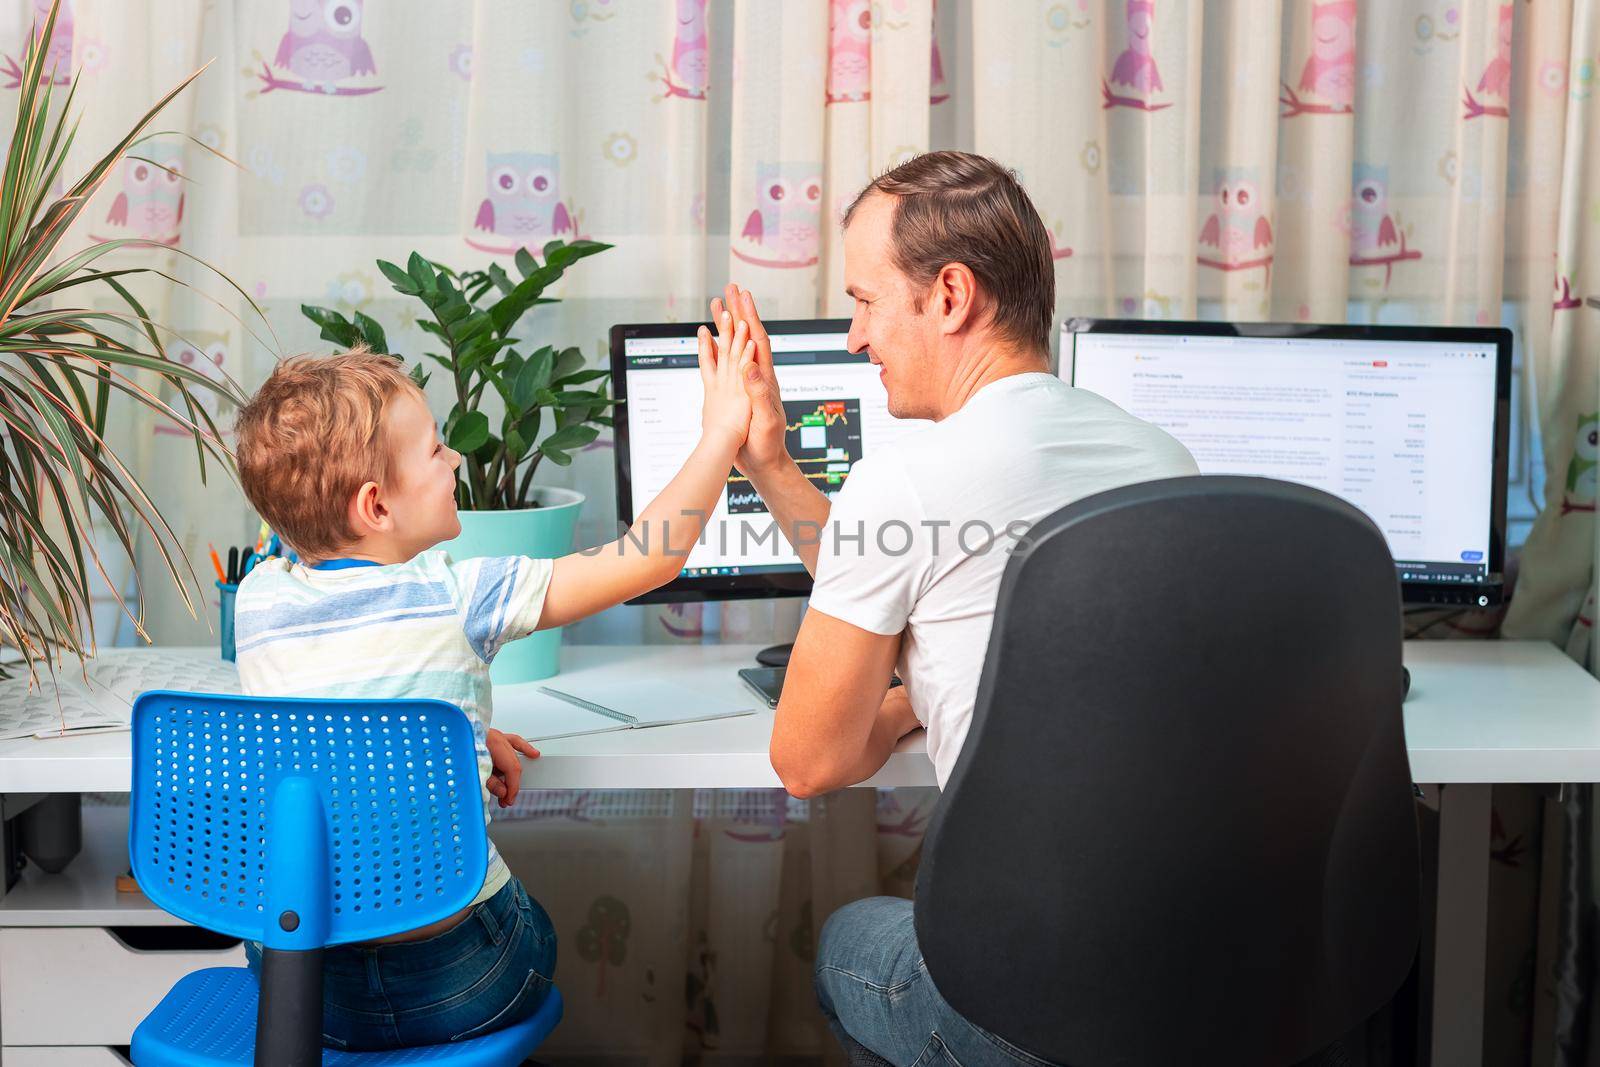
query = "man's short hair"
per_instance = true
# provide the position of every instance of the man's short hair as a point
(957, 207)
(311, 436)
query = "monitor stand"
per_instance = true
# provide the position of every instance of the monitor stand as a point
(775, 655)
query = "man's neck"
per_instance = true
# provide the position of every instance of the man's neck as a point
(986, 365)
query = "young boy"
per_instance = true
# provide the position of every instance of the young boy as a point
(342, 457)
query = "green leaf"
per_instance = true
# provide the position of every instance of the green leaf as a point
(516, 444)
(567, 398)
(569, 362)
(419, 376)
(583, 376)
(525, 263)
(528, 425)
(534, 376)
(421, 273)
(560, 459)
(335, 327)
(568, 438)
(373, 333)
(469, 432)
(402, 282)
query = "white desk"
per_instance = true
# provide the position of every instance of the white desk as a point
(1479, 713)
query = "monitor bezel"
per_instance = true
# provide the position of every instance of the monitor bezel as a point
(1486, 593)
(760, 585)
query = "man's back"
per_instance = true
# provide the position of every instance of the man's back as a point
(938, 511)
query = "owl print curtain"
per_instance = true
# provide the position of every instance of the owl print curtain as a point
(1300, 160)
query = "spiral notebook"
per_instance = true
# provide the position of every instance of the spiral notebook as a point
(596, 707)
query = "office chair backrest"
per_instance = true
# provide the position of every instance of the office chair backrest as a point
(302, 823)
(1181, 828)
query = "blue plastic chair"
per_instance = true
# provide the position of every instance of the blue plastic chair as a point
(301, 824)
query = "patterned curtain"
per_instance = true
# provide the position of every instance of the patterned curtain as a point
(1310, 160)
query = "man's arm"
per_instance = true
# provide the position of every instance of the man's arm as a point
(799, 509)
(837, 722)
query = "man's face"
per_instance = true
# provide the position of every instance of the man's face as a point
(421, 484)
(885, 323)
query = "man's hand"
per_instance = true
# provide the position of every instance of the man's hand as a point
(505, 751)
(726, 409)
(764, 448)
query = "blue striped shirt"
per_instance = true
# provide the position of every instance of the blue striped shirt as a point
(424, 628)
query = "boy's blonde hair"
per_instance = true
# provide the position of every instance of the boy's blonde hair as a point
(313, 435)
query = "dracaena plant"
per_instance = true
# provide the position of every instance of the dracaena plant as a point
(546, 411)
(64, 358)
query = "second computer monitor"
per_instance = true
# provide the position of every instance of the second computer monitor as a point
(837, 413)
(1409, 424)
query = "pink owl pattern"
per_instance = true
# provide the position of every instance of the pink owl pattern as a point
(938, 89)
(1565, 299)
(522, 206)
(1495, 81)
(323, 46)
(1328, 79)
(1237, 235)
(149, 204)
(688, 73)
(206, 353)
(1376, 238)
(785, 229)
(1135, 72)
(849, 52)
(57, 68)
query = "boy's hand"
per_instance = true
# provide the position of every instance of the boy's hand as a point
(764, 446)
(726, 411)
(506, 778)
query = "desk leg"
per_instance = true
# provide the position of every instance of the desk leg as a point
(1462, 927)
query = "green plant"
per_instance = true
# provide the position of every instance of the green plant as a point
(474, 314)
(62, 361)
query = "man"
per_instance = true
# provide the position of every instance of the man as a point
(950, 270)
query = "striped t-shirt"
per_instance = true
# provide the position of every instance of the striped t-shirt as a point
(424, 628)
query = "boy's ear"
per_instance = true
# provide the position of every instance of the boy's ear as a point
(368, 515)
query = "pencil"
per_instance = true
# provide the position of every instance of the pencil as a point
(216, 561)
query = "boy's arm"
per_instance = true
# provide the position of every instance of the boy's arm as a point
(590, 581)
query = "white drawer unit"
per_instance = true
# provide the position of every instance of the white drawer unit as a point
(85, 986)
(81, 964)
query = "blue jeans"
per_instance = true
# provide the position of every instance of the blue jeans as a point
(490, 970)
(877, 994)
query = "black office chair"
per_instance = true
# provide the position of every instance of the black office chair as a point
(1181, 829)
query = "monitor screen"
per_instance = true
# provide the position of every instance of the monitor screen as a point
(837, 414)
(1407, 424)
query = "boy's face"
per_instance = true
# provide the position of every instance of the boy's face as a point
(421, 492)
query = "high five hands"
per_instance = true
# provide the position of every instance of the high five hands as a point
(764, 443)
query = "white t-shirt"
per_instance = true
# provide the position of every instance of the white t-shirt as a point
(905, 544)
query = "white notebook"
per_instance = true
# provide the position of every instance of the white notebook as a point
(593, 707)
(104, 701)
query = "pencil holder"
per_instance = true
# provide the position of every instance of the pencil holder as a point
(229, 592)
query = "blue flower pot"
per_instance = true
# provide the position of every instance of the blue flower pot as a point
(544, 532)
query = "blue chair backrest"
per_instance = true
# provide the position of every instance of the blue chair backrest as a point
(301, 823)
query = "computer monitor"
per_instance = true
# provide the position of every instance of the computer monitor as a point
(837, 412)
(1409, 424)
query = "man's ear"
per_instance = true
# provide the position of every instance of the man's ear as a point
(956, 298)
(368, 515)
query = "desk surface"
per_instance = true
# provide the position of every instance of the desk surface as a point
(1479, 711)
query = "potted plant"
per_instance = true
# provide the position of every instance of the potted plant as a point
(63, 360)
(547, 402)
